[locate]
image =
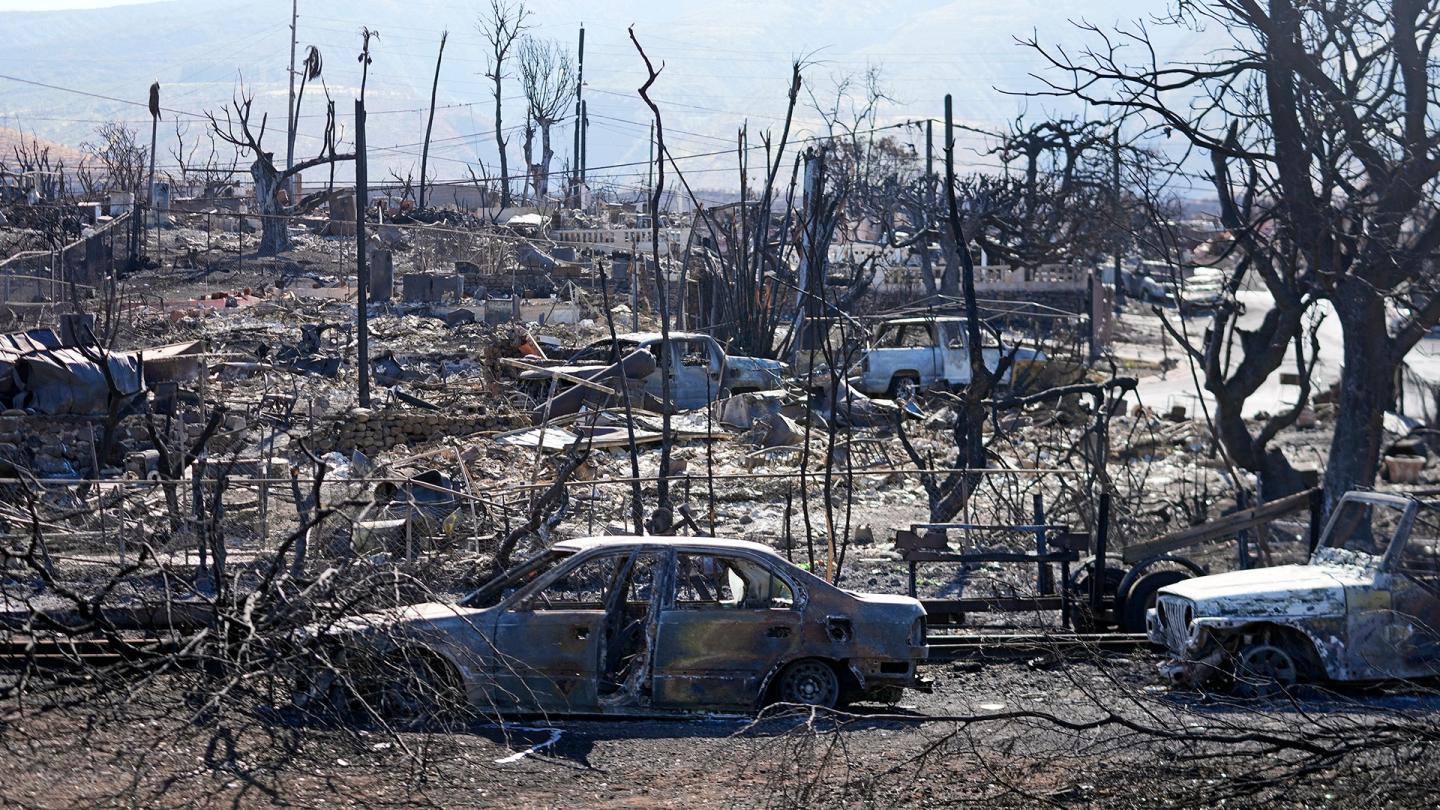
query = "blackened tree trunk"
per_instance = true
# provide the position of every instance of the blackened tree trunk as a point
(547, 154)
(274, 233)
(500, 147)
(1367, 391)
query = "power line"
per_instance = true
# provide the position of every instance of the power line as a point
(98, 95)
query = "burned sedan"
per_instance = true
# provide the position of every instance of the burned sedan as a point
(634, 625)
(1365, 607)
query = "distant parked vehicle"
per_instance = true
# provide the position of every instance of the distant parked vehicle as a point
(700, 370)
(918, 352)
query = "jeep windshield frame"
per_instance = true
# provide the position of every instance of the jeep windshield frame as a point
(1352, 535)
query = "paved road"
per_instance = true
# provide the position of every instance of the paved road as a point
(1180, 387)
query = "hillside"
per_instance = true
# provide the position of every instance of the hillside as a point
(12, 138)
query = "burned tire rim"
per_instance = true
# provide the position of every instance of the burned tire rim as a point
(1265, 669)
(412, 691)
(903, 388)
(810, 683)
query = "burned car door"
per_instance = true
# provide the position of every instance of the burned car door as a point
(695, 372)
(725, 624)
(548, 638)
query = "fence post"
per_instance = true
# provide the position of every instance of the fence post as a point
(1045, 581)
(1242, 538)
(1102, 538)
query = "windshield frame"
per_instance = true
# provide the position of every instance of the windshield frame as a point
(1328, 551)
(497, 582)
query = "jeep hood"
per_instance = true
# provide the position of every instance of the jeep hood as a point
(1287, 590)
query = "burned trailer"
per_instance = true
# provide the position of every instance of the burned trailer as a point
(628, 626)
(1365, 607)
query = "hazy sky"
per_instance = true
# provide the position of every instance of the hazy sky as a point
(726, 64)
(63, 5)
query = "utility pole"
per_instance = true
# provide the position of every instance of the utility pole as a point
(929, 202)
(577, 173)
(584, 138)
(430, 122)
(1115, 216)
(634, 278)
(154, 132)
(290, 118)
(362, 270)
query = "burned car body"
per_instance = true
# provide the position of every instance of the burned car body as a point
(698, 368)
(643, 625)
(921, 351)
(1365, 607)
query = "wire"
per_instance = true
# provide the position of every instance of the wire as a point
(98, 95)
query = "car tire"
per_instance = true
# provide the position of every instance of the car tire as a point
(411, 689)
(1082, 618)
(1265, 670)
(809, 682)
(1141, 597)
(902, 386)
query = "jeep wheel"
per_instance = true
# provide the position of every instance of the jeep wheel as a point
(1264, 670)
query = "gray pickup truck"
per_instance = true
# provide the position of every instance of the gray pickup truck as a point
(700, 370)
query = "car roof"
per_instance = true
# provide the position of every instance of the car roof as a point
(927, 319)
(631, 541)
(644, 337)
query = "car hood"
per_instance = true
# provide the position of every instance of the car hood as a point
(425, 614)
(1287, 590)
(754, 362)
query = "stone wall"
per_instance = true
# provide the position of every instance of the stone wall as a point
(371, 431)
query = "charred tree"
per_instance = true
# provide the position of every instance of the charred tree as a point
(500, 27)
(275, 208)
(1327, 115)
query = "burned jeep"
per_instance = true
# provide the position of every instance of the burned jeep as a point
(630, 626)
(1365, 607)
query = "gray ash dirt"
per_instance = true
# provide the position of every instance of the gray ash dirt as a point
(158, 752)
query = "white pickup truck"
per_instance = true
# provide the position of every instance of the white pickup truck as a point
(917, 352)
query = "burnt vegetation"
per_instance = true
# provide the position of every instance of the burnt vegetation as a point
(889, 475)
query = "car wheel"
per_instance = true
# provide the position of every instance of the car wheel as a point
(903, 388)
(1083, 619)
(1264, 670)
(412, 689)
(809, 683)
